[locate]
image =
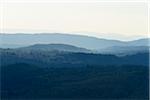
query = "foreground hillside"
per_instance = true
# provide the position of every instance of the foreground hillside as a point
(27, 81)
(53, 74)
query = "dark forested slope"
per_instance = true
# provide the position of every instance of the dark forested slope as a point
(22, 81)
(38, 74)
(64, 59)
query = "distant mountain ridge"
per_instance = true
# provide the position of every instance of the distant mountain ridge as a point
(55, 47)
(124, 50)
(93, 43)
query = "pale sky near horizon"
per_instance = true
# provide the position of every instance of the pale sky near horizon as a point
(124, 20)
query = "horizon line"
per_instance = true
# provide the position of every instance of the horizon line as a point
(84, 35)
(65, 33)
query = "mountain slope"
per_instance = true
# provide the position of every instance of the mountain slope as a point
(124, 50)
(140, 42)
(25, 81)
(55, 47)
(46, 74)
(65, 59)
(76, 40)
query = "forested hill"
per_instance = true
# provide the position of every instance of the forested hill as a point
(54, 74)
(68, 59)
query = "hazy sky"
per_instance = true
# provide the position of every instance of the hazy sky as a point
(122, 20)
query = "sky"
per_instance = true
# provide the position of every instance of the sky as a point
(104, 19)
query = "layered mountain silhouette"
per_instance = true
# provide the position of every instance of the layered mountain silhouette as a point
(93, 43)
(61, 66)
(74, 43)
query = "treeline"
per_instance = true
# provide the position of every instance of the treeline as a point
(67, 59)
